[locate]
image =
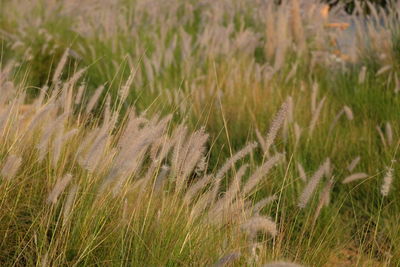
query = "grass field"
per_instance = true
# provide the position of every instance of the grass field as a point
(199, 133)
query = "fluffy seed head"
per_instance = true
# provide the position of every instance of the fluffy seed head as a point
(348, 112)
(387, 182)
(275, 126)
(59, 188)
(354, 177)
(312, 184)
(353, 164)
(10, 168)
(258, 223)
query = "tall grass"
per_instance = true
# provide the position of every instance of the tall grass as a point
(128, 129)
(73, 184)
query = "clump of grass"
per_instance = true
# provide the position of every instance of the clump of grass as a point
(153, 127)
(93, 180)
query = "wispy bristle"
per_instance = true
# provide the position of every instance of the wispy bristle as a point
(78, 97)
(324, 199)
(161, 177)
(348, 112)
(124, 92)
(196, 187)
(230, 162)
(353, 164)
(263, 170)
(262, 203)
(389, 133)
(354, 177)
(312, 184)
(275, 126)
(314, 94)
(10, 168)
(69, 202)
(257, 223)
(387, 182)
(261, 140)
(59, 188)
(60, 66)
(94, 99)
(362, 74)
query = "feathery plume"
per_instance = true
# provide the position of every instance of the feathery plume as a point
(230, 194)
(201, 204)
(314, 94)
(387, 182)
(123, 93)
(389, 133)
(76, 76)
(362, 74)
(259, 223)
(78, 97)
(193, 152)
(10, 168)
(93, 100)
(69, 202)
(231, 161)
(48, 133)
(353, 164)
(59, 143)
(60, 67)
(275, 126)
(39, 116)
(59, 188)
(261, 140)
(324, 199)
(196, 187)
(312, 184)
(354, 177)
(348, 112)
(93, 156)
(234, 187)
(262, 203)
(39, 100)
(326, 192)
(383, 70)
(396, 83)
(161, 177)
(260, 173)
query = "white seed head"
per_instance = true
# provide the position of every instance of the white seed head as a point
(11, 166)
(354, 177)
(387, 182)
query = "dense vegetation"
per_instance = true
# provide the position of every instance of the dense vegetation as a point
(166, 133)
